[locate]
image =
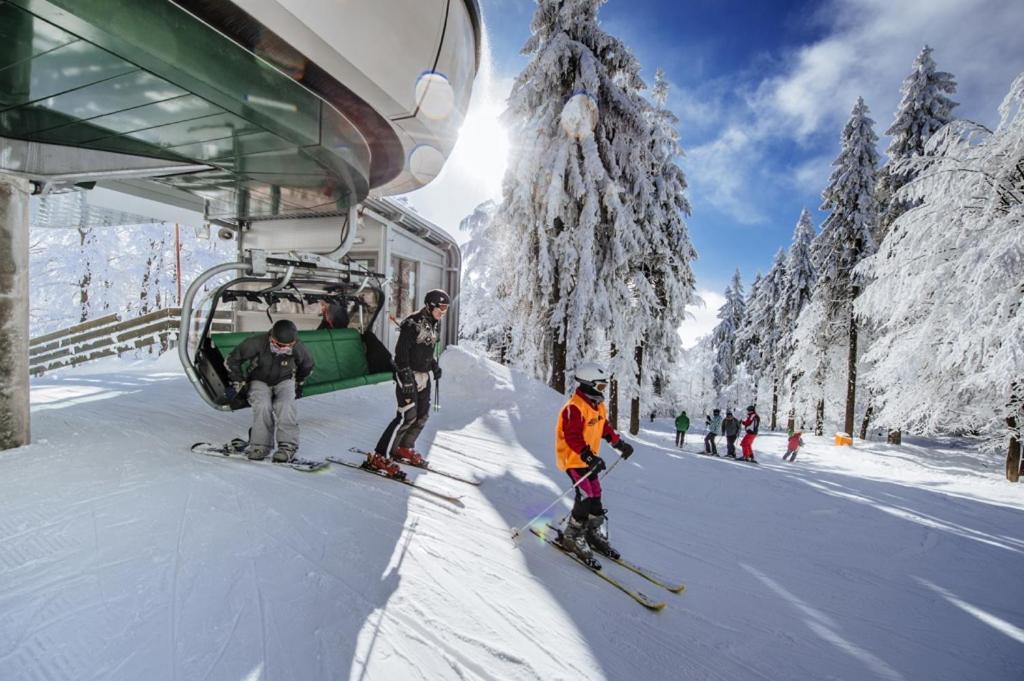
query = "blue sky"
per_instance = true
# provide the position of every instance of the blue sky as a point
(762, 90)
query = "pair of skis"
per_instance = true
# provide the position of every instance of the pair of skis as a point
(457, 501)
(553, 535)
(234, 452)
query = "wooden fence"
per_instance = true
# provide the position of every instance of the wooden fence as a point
(108, 336)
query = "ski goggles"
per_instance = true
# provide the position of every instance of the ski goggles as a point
(281, 346)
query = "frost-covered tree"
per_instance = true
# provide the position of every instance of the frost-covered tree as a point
(797, 288)
(761, 314)
(582, 135)
(846, 238)
(723, 337)
(82, 274)
(481, 304)
(660, 281)
(946, 287)
(923, 109)
(692, 377)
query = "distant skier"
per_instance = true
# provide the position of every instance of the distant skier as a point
(682, 425)
(652, 416)
(752, 423)
(713, 424)
(793, 445)
(274, 366)
(582, 424)
(731, 430)
(414, 363)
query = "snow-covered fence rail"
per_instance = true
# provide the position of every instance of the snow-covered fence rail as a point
(107, 336)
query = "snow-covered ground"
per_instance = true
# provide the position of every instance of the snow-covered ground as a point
(123, 556)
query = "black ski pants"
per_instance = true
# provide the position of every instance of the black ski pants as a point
(408, 422)
(709, 444)
(730, 445)
(680, 438)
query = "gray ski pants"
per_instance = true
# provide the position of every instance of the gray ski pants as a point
(273, 405)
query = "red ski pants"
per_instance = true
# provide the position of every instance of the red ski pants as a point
(747, 445)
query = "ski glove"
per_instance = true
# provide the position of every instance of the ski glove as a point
(595, 463)
(625, 449)
(298, 390)
(437, 372)
(406, 384)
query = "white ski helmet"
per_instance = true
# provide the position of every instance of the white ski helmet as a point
(590, 374)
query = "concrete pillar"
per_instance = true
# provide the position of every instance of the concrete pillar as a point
(14, 411)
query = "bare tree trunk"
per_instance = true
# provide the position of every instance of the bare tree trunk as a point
(791, 421)
(1013, 453)
(613, 396)
(851, 377)
(775, 403)
(634, 407)
(819, 418)
(86, 279)
(147, 276)
(558, 365)
(865, 422)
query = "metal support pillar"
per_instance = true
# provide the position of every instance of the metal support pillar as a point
(14, 388)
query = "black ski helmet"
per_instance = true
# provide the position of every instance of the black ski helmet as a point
(436, 298)
(284, 331)
(750, 409)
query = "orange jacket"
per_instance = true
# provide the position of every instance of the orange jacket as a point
(581, 424)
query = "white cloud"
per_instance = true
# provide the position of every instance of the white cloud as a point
(872, 46)
(869, 49)
(704, 318)
(719, 173)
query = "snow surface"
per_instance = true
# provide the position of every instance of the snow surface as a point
(123, 556)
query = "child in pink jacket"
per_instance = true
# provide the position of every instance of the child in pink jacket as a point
(793, 446)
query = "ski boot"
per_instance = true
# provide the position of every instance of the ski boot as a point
(256, 452)
(285, 452)
(573, 539)
(597, 536)
(379, 463)
(238, 445)
(409, 456)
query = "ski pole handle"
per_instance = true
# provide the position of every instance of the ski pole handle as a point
(517, 531)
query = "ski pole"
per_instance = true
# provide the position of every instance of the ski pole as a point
(517, 531)
(437, 395)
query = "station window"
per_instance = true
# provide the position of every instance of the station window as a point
(403, 288)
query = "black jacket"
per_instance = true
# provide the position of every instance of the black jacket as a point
(252, 360)
(730, 426)
(416, 342)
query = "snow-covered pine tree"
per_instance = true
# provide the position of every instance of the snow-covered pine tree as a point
(923, 109)
(581, 130)
(748, 338)
(481, 303)
(946, 288)
(723, 337)
(769, 333)
(661, 280)
(797, 288)
(847, 237)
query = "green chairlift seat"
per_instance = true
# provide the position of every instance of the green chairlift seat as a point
(339, 354)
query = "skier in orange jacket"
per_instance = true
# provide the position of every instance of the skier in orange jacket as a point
(582, 424)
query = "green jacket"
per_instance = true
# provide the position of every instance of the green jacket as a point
(682, 423)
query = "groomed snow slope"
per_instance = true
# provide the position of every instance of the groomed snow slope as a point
(123, 556)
